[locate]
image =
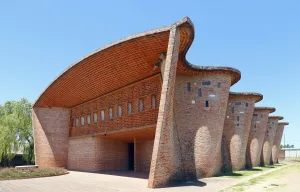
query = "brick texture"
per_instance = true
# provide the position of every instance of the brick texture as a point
(166, 157)
(269, 140)
(200, 127)
(143, 155)
(277, 141)
(97, 154)
(236, 130)
(51, 135)
(256, 135)
(144, 89)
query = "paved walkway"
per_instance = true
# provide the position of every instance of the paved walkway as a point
(109, 182)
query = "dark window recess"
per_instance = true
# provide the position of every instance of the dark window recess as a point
(199, 92)
(188, 87)
(255, 115)
(238, 124)
(131, 156)
(261, 116)
(206, 83)
(232, 109)
(247, 104)
(219, 84)
(254, 126)
(206, 103)
(238, 118)
(238, 103)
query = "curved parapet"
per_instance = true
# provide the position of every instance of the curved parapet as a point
(269, 140)
(236, 129)
(256, 135)
(277, 141)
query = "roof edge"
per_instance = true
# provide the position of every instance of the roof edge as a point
(270, 109)
(276, 117)
(258, 96)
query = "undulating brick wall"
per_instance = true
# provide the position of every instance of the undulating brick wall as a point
(166, 163)
(143, 155)
(200, 126)
(97, 154)
(236, 132)
(144, 89)
(277, 141)
(268, 141)
(281, 155)
(256, 137)
(51, 136)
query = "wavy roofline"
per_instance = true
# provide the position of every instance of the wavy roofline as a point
(270, 109)
(185, 20)
(276, 117)
(258, 96)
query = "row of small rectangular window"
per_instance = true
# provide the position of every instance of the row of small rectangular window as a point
(111, 112)
(256, 115)
(205, 83)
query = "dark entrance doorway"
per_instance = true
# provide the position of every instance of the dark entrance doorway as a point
(131, 156)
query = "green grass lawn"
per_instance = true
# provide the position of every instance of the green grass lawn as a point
(12, 173)
(248, 172)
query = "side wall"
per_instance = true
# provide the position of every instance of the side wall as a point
(236, 133)
(277, 141)
(200, 127)
(97, 154)
(256, 137)
(166, 163)
(143, 155)
(51, 136)
(268, 142)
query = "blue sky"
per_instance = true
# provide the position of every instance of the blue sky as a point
(40, 39)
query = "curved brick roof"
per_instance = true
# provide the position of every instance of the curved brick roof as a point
(122, 63)
(276, 117)
(270, 109)
(283, 123)
(244, 95)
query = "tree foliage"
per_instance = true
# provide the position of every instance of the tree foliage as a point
(16, 133)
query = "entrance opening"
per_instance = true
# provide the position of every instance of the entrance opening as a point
(131, 156)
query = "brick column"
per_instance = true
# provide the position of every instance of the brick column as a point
(166, 157)
(256, 135)
(277, 141)
(236, 129)
(51, 136)
(269, 140)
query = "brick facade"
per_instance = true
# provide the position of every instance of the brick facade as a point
(256, 135)
(200, 107)
(143, 153)
(269, 140)
(51, 136)
(277, 141)
(236, 129)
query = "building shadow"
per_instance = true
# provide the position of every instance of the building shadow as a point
(179, 184)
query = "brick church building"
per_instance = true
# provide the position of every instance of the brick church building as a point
(137, 104)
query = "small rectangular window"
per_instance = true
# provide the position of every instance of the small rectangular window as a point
(261, 116)
(77, 122)
(255, 115)
(254, 125)
(141, 105)
(188, 87)
(95, 117)
(219, 84)
(206, 103)
(206, 83)
(82, 120)
(153, 101)
(238, 118)
(129, 108)
(111, 113)
(232, 109)
(102, 115)
(247, 104)
(119, 110)
(88, 119)
(199, 92)
(238, 103)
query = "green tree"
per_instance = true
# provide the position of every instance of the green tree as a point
(16, 133)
